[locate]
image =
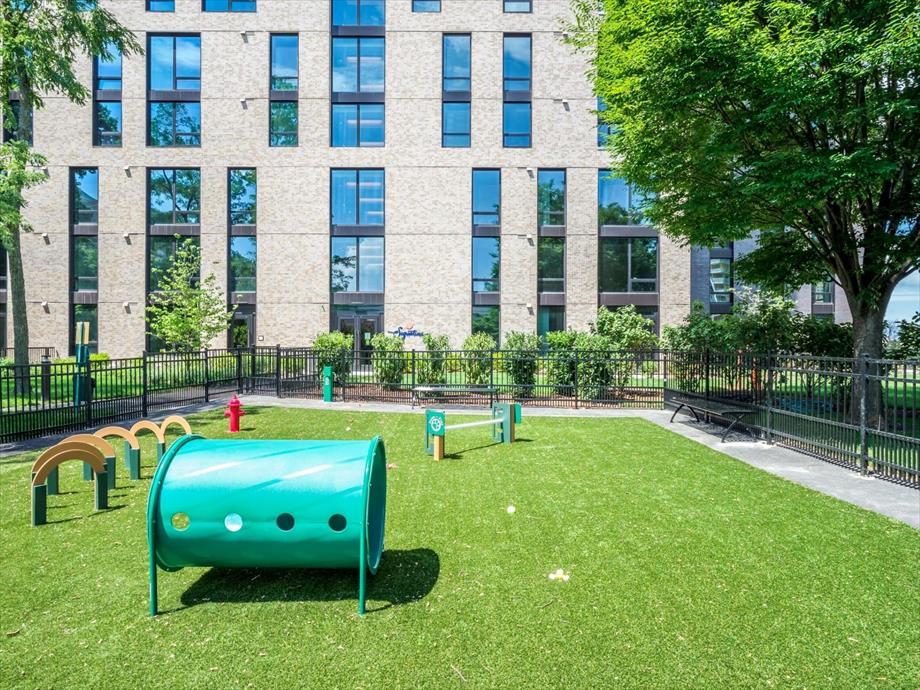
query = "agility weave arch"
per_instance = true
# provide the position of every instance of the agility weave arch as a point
(147, 425)
(132, 449)
(90, 452)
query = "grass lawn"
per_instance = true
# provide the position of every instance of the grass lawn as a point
(688, 568)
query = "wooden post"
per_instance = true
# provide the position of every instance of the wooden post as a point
(438, 447)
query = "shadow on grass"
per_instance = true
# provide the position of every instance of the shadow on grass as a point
(404, 576)
(458, 454)
(94, 513)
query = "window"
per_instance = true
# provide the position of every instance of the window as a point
(551, 264)
(284, 60)
(358, 12)
(107, 73)
(242, 196)
(550, 318)
(486, 320)
(487, 191)
(174, 196)
(242, 264)
(517, 107)
(85, 262)
(551, 197)
(174, 64)
(486, 264)
(358, 65)
(455, 124)
(618, 203)
(823, 292)
(228, 5)
(358, 124)
(720, 281)
(604, 130)
(518, 5)
(426, 5)
(84, 185)
(628, 264)
(357, 264)
(282, 123)
(357, 197)
(88, 313)
(161, 5)
(457, 62)
(162, 252)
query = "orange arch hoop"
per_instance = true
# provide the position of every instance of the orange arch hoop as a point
(121, 433)
(64, 451)
(175, 419)
(147, 425)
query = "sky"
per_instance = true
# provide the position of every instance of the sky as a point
(906, 299)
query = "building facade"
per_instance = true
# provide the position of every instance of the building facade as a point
(433, 166)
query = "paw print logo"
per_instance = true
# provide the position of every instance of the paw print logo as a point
(435, 424)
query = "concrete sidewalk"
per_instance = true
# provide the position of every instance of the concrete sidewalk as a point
(901, 503)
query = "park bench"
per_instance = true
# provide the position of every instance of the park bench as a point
(731, 413)
(439, 390)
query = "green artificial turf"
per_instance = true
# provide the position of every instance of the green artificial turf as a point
(687, 569)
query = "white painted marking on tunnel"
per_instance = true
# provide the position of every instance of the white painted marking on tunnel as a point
(206, 470)
(309, 470)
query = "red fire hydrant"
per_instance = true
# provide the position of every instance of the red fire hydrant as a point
(234, 412)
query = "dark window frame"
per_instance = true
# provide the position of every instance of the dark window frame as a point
(565, 255)
(731, 282)
(175, 96)
(149, 4)
(356, 227)
(176, 227)
(444, 78)
(232, 288)
(507, 3)
(230, 7)
(273, 133)
(473, 211)
(358, 287)
(360, 143)
(605, 174)
(255, 204)
(359, 95)
(436, 3)
(469, 126)
(73, 215)
(656, 281)
(565, 198)
(358, 4)
(271, 52)
(473, 277)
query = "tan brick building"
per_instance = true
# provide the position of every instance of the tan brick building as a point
(363, 122)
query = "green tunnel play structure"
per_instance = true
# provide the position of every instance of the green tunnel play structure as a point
(268, 504)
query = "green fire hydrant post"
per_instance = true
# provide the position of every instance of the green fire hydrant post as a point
(328, 383)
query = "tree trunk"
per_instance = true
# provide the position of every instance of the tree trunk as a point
(868, 344)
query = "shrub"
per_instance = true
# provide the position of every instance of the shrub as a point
(625, 329)
(907, 345)
(520, 354)
(388, 359)
(431, 366)
(98, 360)
(335, 350)
(6, 361)
(560, 365)
(595, 368)
(477, 358)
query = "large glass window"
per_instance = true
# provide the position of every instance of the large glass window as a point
(516, 121)
(357, 264)
(487, 320)
(455, 123)
(174, 195)
(108, 123)
(604, 130)
(518, 5)
(161, 5)
(175, 124)
(486, 264)
(516, 62)
(242, 196)
(358, 65)
(426, 5)
(720, 281)
(88, 313)
(108, 69)
(551, 197)
(283, 123)
(358, 124)
(358, 12)
(823, 292)
(618, 203)
(162, 254)
(85, 189)
(487, 192)
(550, 318)
(284, 69)
(85, 262)
(357, 197)
(628, 264)
(457, 65)
(551, 264)
(242, 264)
(175, 63)
(228, 5)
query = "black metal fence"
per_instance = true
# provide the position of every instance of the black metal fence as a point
(861, 413)
(36, 354)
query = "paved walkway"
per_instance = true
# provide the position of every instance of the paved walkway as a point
(886, 498)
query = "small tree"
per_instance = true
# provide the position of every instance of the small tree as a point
(521, 351)
(477, 358)
(907, 346)
(625, 329)
(336, 350)
(388, 359)
(184, 313)
(561, 364)
(431, 365)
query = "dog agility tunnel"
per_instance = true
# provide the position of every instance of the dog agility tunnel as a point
(268, 504)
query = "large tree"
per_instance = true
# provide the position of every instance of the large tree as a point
(39, 42)
(795, 119)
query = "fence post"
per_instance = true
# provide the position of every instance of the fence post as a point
(412, 372)
(89, 395)
(46, 378)
(207, 376)
(576, 379)
(769, 399)
(706, 374)
(278, 370)
(863, 436)
(144, 383)
(252, 369)
(239, 370)
(491, 375)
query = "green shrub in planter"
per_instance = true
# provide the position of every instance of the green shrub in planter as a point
(388, 359)
(431, 365)
(595, 368)
(520, 356)
(477, 358)
(560, 362)
(335, 350)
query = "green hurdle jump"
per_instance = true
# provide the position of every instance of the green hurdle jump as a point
(502, 419)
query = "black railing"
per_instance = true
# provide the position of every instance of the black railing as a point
(861, 413)
(36, 354)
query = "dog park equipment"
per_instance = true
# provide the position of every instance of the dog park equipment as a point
(132, 446)
(92, 450)
(234, 411)
(268, 503)
(504, 416)
(328, 384)
(82, 379)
